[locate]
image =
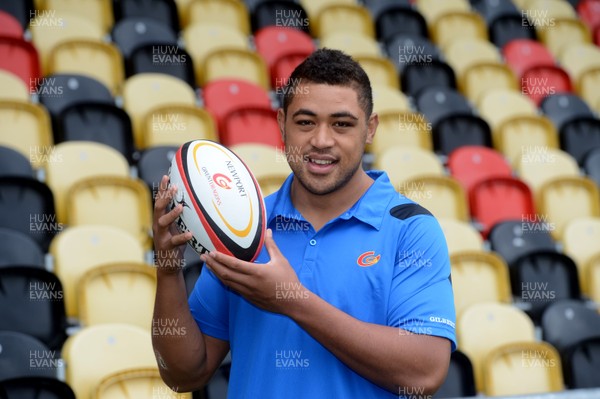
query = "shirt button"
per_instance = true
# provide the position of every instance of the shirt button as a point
(313, 242)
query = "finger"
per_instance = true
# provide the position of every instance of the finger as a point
(272, 248)
(224, 273)
(168, 218)
(181, 239)
(233, 263)
(164, 196)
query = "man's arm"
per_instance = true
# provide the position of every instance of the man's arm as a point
(189, 359)
(392, 358)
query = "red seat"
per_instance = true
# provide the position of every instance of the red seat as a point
(283, 49)
(252, 125)
(524, 54)
(472, 164)
(498, 199)
(223, 96)
(541, 81)
(10, 26)
(597, 36)
(21, 58)
(589, 12)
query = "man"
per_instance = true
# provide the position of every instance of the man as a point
(351, 296)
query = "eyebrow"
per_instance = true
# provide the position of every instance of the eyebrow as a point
(341, 114)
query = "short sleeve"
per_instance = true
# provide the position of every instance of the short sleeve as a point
(421, 298)
(209, 305)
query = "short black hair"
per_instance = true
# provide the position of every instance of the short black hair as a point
(331, 67)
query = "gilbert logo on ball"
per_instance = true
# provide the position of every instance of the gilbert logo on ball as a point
(223, 206)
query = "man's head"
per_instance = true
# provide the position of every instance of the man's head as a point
(331, 67)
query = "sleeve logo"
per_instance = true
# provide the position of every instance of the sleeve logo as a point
(368, 259)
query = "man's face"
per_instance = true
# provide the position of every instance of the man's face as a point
(325, 132)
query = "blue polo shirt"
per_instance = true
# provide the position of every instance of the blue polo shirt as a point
(383, 261)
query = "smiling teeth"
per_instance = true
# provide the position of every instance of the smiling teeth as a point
(321, 161)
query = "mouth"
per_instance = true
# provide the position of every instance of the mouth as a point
(320, 165)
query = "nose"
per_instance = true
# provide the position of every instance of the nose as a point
(322, 137)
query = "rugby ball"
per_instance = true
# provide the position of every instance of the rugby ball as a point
(223, 206)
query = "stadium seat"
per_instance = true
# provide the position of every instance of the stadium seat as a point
(580, 137)
(314, 7)
(416, 77)
(154, 162)
(36, 388)
(265, 161)
(438, 103)
(20, 58)
(588, 87)
(460, 381)
(552, 9)
(13, 88)
(564, 107)
(231, 13)
(461, 130)
(177, 124)
(524, 54)
(593, 278)
(96, 352)
(251, 125)
(472, 164)
(14, 163)
(464, 53)
(542, 277)
(36, 294)
(568, 322)
(506, 28)
(163, 11)
(401, 128)
(117, 293)
(579, 58)
(499, 198)
(539, 82)
(10, 25)
(98, 122)
(580, 242)
(79, 160)
(513, 239)
(386, 99)
(354, 44)
(16, 356)
(81, 248)
(460, 236)
(282, 13)
(393, 19)
(235, 64)
(27, 206)
(482, 327)
(432, 9)
(492, 9)
(381, 71)
(343, 17)
(457, 25)
(18, 249)
(117, 201)
(525, 136)
(480, 79)
(522, 368)
(500, 105)
(146, 91)
(589, 13)
(443, 196)
(564, 34)
(582, 365)
(137, 382)
(579, 192)
(99, 13)
(403, 164)
(131, 33)
(544, 164)
(591, 165)
(162, 58)
(478, 277)
(404, 49)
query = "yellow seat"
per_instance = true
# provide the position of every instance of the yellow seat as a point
(588, 87)
(500, 105)
(592, 278)
(230, 13)
(99, 60)
(578, 58)
(443, 196)
(50, 29)
(402, 129)
(381, 71)
(176, 125)
(521, 136)
(432, 9)
(564, 199)
(522, 368)
(80, 248)
(98, 12)
(538, 165)
(580, 242)
(116, 201)
(79, 160)
(182, 11)
(96, 352)
(480, 79)
(405, 163)
(236, 64)
(145, 91)
(351, 43)
(482, 327)
(13, 88)
(136, 383)
(117, 293)
(387, 99)
(464, 53)
(479, 277)
(460, 236)
(314, 7)
(550, 9)
(457, 25)
(26, 128)
(343, 18)
(563, 34)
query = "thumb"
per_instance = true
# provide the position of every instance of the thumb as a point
(272, 248)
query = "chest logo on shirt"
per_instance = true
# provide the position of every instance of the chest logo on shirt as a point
(368, 259)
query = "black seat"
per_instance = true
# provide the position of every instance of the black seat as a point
(18, 249)
(22, 10)
(99, 122)
(397, 19)
(438, 103)
(163, 11)
(580, 136)
(403, 50)
(154, 162)
(27, 205)
(22, 351)
(568, 322)
(512, 239)
(375, 5)
(32, 302)
(581, 365)
(14, 163)
(543, 277)
(35, 388)
(132, 33)
(564, 107)
(492, 9)
(459, 130)
(460, 380)
(279, 13)
(509, 27)
(591, 165)
(416, 77)
(160, 58)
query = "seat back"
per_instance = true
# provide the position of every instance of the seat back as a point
(25, 356)
(136, 382)
(512, 239)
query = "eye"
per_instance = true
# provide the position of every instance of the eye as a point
(304, 122)
(343, 124)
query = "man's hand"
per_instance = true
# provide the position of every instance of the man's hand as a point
(264, 285)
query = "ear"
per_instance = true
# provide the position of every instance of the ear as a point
(281, 122)
(372, 127)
